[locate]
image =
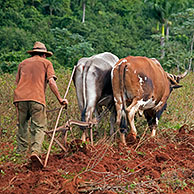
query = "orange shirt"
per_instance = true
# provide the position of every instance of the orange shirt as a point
(32, 77)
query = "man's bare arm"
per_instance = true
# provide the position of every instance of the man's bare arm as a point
(54, 89)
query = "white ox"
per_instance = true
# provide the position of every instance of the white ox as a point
(92, 80)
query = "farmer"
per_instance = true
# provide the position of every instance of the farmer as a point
(29, 98)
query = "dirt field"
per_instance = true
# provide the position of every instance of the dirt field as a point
(162, 165)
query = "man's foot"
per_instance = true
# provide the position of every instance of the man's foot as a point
(36, 161)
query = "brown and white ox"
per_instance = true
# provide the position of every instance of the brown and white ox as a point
(140, 84)
(92, 80)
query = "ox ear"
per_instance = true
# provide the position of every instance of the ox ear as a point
(176, 86)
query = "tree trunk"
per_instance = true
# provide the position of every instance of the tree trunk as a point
(84, 10)
(162, 43)
(51, 10)
(190, 60)
(167, 31)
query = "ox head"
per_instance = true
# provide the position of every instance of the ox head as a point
(175, 79)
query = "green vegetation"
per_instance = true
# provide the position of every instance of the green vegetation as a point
(71, 29)
(161, 29)
(179, 111)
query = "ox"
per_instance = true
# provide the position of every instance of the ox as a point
(140, 84)
(92, 80)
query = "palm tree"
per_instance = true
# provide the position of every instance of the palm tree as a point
(161, 10)
(83, 4)
(158, 13)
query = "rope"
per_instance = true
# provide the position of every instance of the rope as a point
(49, 149)
(55, 109)
(104, 112)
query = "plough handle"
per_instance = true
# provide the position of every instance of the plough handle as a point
(49, 149)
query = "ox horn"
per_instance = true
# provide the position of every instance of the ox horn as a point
(176, 78)
(183, 75)
(172, 78)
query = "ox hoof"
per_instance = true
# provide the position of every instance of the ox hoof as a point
(123, 139)
(87, 140)
(153, 134)
(131, 138)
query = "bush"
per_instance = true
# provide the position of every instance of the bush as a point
(11, 60)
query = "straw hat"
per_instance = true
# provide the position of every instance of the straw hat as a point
(41, 48)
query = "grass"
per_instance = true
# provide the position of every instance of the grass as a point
(180, 110)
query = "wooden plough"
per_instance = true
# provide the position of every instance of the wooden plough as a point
(68, 127)
(65, 128)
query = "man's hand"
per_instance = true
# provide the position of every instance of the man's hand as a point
(63, 102)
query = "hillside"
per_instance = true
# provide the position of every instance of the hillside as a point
(73, 29)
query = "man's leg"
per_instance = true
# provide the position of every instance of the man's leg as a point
(22, 133)
(38, 126)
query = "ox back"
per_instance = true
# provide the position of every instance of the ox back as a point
(92, 80)
(140, 84)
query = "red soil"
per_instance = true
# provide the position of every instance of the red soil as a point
(161, 165)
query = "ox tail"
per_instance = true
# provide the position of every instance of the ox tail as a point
(84, 88)
(84, 91)
(83, 115)
(83, 118)
(123, 123)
